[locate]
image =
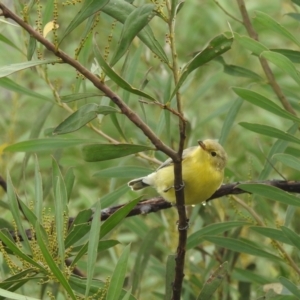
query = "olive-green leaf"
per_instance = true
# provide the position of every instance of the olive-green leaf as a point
(240, 247)
(89, 7)
(292, 55)
(292, 236)
(290, 286)
(297, 2)
(213, 282)
(10, 69)
(50, 144)
(271, 192)
(216, 47)
(265, 103)
(270, 23)
(241, 72)
(288, 160)
(78, 96)
(115, 77)
(123, 172)
(270, 131)
(283, 63)
(82, 116)
(248, 43)
(100, 152)
(134, 23)
(295, 16)
(119, 10)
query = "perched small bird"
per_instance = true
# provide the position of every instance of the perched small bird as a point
(202, 173)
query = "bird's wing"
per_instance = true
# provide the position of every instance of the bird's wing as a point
(169, 161)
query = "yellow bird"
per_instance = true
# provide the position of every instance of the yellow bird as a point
(202, 173)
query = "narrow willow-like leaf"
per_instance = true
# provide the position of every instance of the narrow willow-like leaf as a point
(278, 147)
(295, 16)
(15, 296)
(297, 2)
(31, 47)
(292, 236)
(88, 8)
(194, 239)
(38, 199)
(292, 55)
(270, 131)
(92, 247)
(100, 152)
(213, 282)
(50, 144)
(117, 280)
(250, 44)
(112, 197)
(229, 120)
(238, 71)
(78, 96)
(283, 63)
(7, 41)
(240, 247)
(288, 160)
(77, 233)
(265, 103)
(123, 172)
(217, 46)
(133, 24)
(170, 275)
(115, 77)
(82, 116)
(52, 264)
(11, 85)
(143, 256)
(271, 192)
(119, 10)
(270, 23)
(69, 182)
(10, 69)
(272, 233)
(290, 286)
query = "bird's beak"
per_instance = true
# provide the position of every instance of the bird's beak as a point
(202, 145)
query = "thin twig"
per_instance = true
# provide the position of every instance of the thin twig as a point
(264, 63)
(227, 13)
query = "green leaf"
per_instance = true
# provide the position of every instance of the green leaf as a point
(82, 116)
(213, 282)
(50, 144)
(69, 182)
(272, 233)
(271, 192)
(229, 120)
(92, 247)
(100, 152)
(123, 172)
(295, 16)
(110, 198)
(283, 63)
(31, 47)
(77, 232)
(38, 185)
(264, 103)
(241, 72)
(270, 131)
(240, 247)
(78, 96)
(115, 77)
(9, 42)
(297, 2)
(195, 238)
(292, 55)
(14, 296)
(133, 24)
(170, 275)
(216, 47)
(292, 236)
(117, 280)
(13, 86)
(52, 264)
(88, 8)
(278, 147)
(250, 44)
(143, 255)
(290, 286)
(270, 23)
(288, 160)
(10, 69)
(119, 10)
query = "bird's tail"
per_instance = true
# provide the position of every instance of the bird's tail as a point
(137, 184)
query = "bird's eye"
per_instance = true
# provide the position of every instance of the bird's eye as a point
(213, 153)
